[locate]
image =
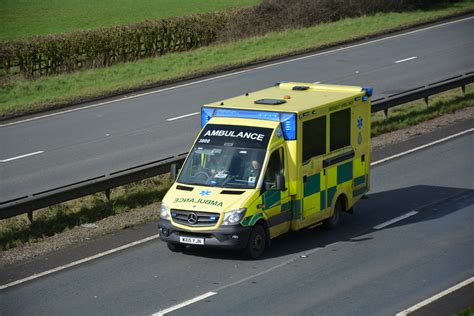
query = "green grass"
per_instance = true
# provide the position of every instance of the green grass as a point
(416, 112)
(47, 222)
(20, 95)
(20, 18)
(467, 312)
(58, 218)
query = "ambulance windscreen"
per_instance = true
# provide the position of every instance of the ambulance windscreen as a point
(227, 156)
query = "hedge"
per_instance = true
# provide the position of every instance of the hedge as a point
(44, 55)
(53, 54)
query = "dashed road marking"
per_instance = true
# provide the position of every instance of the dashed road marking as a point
(22, 156)
(185, 303)
(182, 116)
(406, 59)
(396, 219)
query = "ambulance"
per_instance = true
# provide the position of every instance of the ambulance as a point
(281, 159)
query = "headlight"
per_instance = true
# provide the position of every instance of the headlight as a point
(233, 217)
(164, 211)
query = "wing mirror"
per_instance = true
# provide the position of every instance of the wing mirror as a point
(280, 182)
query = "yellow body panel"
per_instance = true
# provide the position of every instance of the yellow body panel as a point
(312, 186)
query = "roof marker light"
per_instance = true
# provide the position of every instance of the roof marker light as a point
(369, 91)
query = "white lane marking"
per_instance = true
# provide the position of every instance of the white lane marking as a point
(436, 297)
(22, 156)
(406, 59)
(75, 263)
(182, 116)
(421, 147)
(396, 219)
(156, 236)
(236, 73)
(185, 303)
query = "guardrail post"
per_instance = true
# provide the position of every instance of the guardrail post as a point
(386, 113)
(30, 218)
(426, 102)
(463, 91)
(107, 195)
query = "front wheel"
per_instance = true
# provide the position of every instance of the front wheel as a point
(335, 219)
(257, 242)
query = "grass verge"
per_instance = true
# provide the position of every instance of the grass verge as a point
(415, 112)
(20, 96)
(58, 218)
(49, 221)
(19, 19)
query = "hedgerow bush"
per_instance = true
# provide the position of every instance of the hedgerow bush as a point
(53, 54)
(44, 55)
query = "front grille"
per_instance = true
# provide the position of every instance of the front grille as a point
(203, 218)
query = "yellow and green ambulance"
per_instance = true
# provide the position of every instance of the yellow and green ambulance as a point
(272, 161)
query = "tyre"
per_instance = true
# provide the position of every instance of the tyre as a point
(257, 242)
(175, 247)
(335, 219)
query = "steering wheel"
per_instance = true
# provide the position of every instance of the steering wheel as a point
(202, 174)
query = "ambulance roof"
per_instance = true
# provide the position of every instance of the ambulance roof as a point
(291, 97)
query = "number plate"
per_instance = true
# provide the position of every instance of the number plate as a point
(191, 240)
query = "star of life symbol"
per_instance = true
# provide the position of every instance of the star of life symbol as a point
(204, 193)
(360, 122)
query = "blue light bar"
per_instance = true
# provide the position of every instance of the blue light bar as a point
(206, 114)
(260, 115)
(288, 120)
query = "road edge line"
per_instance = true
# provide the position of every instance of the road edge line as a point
(406, 152)
(435, 297)
(75, 263)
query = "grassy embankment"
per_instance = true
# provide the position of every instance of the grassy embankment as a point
(20, 95)
(52, 220)
(19, 19)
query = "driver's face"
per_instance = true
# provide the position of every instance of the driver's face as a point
(255, 164)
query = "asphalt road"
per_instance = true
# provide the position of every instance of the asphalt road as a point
(353, 270)
(75, 146)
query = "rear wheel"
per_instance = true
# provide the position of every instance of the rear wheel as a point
(257, 242)
(175, 247)
(335, 219)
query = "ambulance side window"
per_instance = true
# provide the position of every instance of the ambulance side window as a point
(340, 125)
(275, 166)
(314, 138)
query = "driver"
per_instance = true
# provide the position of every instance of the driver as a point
(252, 170)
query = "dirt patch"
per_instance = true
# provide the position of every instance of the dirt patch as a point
(149, 213)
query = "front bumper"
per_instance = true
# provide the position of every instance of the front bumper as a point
(229, 237)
